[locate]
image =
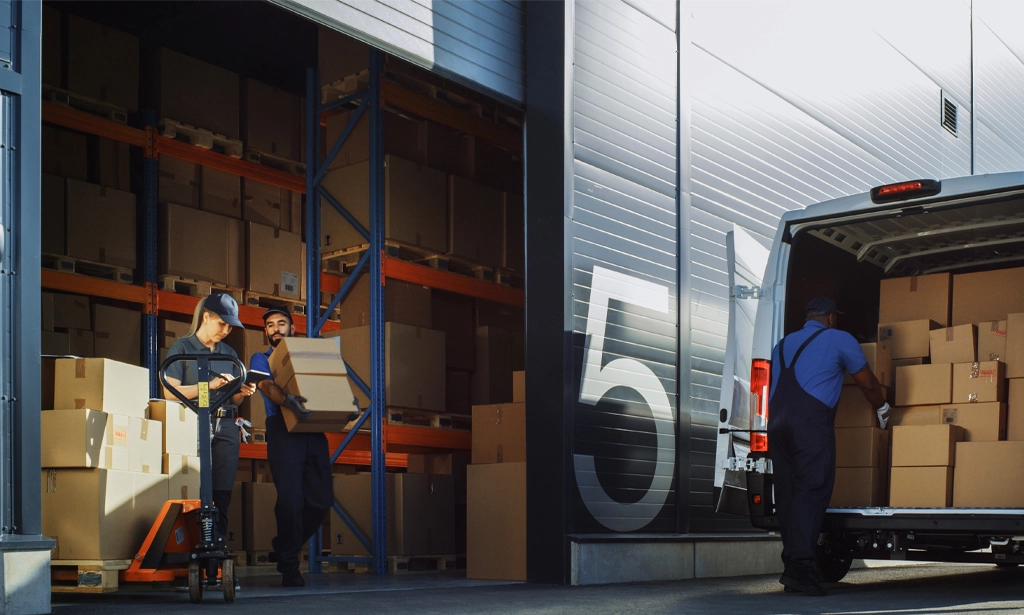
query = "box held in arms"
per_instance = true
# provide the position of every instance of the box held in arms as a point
(314, 369)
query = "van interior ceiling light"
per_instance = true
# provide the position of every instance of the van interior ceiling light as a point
(760, 388)
(905, 190)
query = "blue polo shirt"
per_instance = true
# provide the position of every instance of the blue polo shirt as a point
(824, 363)
(261, 362)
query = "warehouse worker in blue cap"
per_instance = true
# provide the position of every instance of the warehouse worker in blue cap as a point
(299, 462)
(808, 367)
(211, 323)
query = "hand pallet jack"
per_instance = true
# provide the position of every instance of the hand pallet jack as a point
(184, 540)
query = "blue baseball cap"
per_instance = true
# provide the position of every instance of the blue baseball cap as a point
(225, 306)
(822, 306)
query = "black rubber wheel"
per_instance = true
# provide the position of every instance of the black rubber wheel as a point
(195, 583)
(833, 560)
(227, 579)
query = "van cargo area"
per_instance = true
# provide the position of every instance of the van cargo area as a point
(928, 287)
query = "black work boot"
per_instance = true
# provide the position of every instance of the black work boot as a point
(291, 577)
(803, 582)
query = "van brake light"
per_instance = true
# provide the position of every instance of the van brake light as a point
(905, 190)
(760, 388)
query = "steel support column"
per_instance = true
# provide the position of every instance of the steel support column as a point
(148, 206)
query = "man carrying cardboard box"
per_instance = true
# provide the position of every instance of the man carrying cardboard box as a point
(801, 434)
(299, 462)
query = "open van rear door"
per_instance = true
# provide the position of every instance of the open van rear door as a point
(747, 260)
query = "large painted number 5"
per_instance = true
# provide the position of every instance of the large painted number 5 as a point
(629, 373)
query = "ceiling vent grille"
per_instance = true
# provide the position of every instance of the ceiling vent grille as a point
(949, 115)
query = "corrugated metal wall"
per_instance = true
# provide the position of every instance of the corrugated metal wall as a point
(791, 104)
(481, 42)
(999, 86)
(624, 218)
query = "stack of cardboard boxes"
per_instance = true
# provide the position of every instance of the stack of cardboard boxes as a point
(111, 458)
(496, 513)
(71, 328)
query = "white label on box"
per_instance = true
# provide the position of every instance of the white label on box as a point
(289, 283)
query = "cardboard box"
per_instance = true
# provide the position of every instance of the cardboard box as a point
(1014, 346)
(183, 478)
(414, 365)
(916, 415)
(499, 433)
(64, 153)
(96, 514)
(860, 487)
(299, 355)
(404, 303)
(349, 186)
(118, 334)
(266, 204)
(896, 365)
(989, 474)
(981, 422)
(178, 182)
(431, 464)
(272, 120)
(992, 340)
(260, 527)
(853, 410)
(180, 427)
(925, 297)
(171, 331)
(954, 344)
(454, 315)
(880, 362)
(114, 164)
(103, 63)
(199, 245)
(101, 384)
(491, 314)
(274, 260)
(921, 487)
(515, 233)
(925, 445)
(987, 295)
(458, 394)
(220, 193)
(194, 92)
(83, 343)
(492, 377)
(52, 47)
(330, 399)
(496, 522)
(340, 55)
(420, 514)
(862, 447)
(71, 312)
(145, 446)
(55, 343)
(1015, 409)
(909, 339)
(118, 441)
(403, 137)
(52, 202)
(475, 222)
(979, 382)
(80, 439)
(100, 224)
(235, 536)
(449, 150)
(519, 387)
(924, 385)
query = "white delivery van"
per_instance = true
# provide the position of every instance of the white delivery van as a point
(843, 248)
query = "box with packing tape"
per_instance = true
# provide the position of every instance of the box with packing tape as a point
(925, 297)
(499, 433)
(860, 487)
(921, 487)
(954, 344)
(854, 410)
(925, 445)
(979, 382)
(879, 361)
(1014, 357)
(314, 369)
(101, 384)
(908, 339)
(145, 446)
(862, 447)
(183, 477)
(84, 439)
(989, 474)
(992, 340)
(924, 385)
(180, 426)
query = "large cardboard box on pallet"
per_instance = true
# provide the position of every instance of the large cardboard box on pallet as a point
(403, 137)
(908, 339)
(178, 182)
(274, 261)
(476, 222)
(194, 92)
(404, 303)
(52, 194)
(83, 343)
(339, 55)
(492, 377)
(64, 153)
(272, 120)
(925, 297)
(171, 331)
(55, 343)
(979, 382)
(420, 514)
(924, 385)
(496, 521)
(266, 204)
(499, 433)
(100, 224)
(113, 160)
(199, 245)
(922, 487)
(458, 391)
(71, 311)
(145, 446)
(989, 474)
(103, 63)
(181, 427)
(220, 193)
(954, 344)
(83, 439)
(987, 295)
(118, 334)
(314, 369)
(101, 384)
(96, 514)
(258, 501)
(414, 365)
(183, 478)
(453, 314)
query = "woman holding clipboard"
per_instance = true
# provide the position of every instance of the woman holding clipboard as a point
(212, 322)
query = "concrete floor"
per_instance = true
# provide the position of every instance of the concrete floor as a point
(912, 590)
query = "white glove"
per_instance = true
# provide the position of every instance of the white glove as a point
(242, 424)
(883, 414)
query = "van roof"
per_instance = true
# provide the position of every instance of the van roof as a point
(972, 222)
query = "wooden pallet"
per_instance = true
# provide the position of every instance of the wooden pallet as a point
(344, 87)
(260, 300)
(67, 264)
(195, 288)
(86, 576)
(259, 436)
(343, 262)
(86, 104)
(275, 162)
(405, 564)
(426, 418)
(200, 137)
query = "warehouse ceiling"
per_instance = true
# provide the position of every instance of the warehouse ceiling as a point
(253, 39)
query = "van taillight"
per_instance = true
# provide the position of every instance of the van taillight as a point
(905, 190)
(760, 387)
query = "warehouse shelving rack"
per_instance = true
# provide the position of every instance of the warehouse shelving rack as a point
(383, 446)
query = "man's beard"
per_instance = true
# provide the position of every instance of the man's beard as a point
(274, 342)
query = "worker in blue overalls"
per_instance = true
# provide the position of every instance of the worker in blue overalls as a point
(299, 462)
(808, 367)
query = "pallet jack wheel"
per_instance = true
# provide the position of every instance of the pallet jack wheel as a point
(227, 579)
(195, 583)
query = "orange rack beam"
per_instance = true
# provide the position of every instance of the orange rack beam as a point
(453, 282)
(252, 316)
(348, 456)
(221, 162)
(92, 124)
(84, 285)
